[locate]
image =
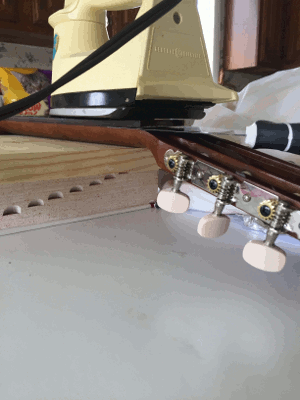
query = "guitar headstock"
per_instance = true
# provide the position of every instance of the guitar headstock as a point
(275, 209)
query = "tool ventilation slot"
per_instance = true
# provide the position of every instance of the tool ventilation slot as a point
(95, 182)
(56, 195)
(12, 210)
(77, 188)
(109, 176)
(35, 203)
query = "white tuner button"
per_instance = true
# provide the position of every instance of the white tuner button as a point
(173, 202)
(266, 258)
(212, 226)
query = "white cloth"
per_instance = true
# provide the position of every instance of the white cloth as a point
(275, 98)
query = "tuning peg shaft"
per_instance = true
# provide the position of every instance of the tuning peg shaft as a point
(216, 224)
(173, 200)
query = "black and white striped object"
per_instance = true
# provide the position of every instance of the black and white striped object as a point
(272, 135)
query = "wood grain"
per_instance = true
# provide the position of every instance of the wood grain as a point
(45, 180)
(26, 21)
(241, 41)
(28, 159)
(261, 37)
(117, 20)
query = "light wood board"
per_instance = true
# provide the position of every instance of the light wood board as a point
(46, 180)
(29, 159)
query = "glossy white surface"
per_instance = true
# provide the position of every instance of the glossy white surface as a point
(139, 306)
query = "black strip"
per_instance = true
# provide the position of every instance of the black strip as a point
(271, 135)
(110, 123)
(295, 145)
(104, 98)
(131, 109)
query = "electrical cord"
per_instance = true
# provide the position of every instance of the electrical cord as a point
(110, 47)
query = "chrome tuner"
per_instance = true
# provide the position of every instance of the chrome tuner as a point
(265, 255)
(173, 200)
(217, 224)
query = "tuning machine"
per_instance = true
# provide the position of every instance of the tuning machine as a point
(204, 176)
(174, 200)
(270, 212)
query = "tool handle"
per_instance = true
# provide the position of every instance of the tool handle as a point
(276, 136)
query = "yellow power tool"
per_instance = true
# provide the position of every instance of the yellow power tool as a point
(162, 73)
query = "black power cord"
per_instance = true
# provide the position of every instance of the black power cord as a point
(111, 46)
